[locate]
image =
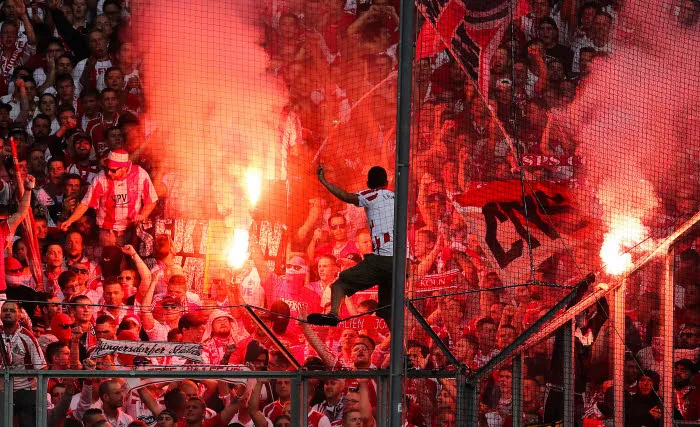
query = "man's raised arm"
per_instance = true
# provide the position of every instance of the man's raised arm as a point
(337, 191)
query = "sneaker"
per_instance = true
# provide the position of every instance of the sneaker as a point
(323, 319)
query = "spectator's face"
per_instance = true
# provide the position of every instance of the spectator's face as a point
(82, 312)
(548, 34)
(4, 117)
(363, 242)
(74, 245)
(57, 393)
(178, 290)
(31, 89)
(115, 80)
(327, 270)
(424, 244)
(54, 256)
(487, 335)
(351, 400)
(102, 23)
(171, 312)
(127, 279)
(339, 229)
(113, 294)
(360, 353)
(113, 13)
(104, 331)
(47, 105)
(90, 421)
(37, 162)
(115, 139)
(555, 71)
(689, 337)
(347, 337)
(62, 358)
(190, 389)
(353, 420)
(681, 376)
(505, 380)
(540, 8)
(79, 8)
(8, 36)
(529, 390)
(42, 228)
(447, 419)
(9, 314)
(66, 89)
(587, 18)
(283, 387)
(63, 65)
(97, 43)
(193, 334)
(72, 188)
(221, 327)
(40, 128)
(416, 357)
(332, 389)
(645, 384)
(110, 102)
(165, 420)
(499, 61)
(82, 146)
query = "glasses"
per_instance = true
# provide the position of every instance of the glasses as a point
(113, 170)
(170, 307)
(295, 267)
(79, 270)
(338, 226)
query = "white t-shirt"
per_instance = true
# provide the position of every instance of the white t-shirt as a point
(379, 208)
(100, 68)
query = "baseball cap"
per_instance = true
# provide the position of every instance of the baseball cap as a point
(5, 106)
(12, 265)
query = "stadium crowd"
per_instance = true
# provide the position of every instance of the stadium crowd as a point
(73, 100)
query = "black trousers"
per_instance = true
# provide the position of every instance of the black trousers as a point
(24, 407)
(372, 270)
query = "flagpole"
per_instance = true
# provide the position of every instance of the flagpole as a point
(31, 240)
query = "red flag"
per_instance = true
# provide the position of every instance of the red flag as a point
(432, 38)
(506, 222)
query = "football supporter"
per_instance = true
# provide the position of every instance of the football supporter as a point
(122, 195)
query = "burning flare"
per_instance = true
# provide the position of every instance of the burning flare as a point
(238, 249)
(625, 232)
(253, 181)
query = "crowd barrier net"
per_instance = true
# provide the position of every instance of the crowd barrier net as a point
(186, 185)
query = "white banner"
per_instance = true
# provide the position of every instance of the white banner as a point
(190, 351)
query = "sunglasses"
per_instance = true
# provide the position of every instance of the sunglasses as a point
(170, 307)
(295, 267)
(79, 270)
(113, 170)
(15, 271)
(338, 226)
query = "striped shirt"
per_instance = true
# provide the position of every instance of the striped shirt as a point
(117, 202)
(24, 353)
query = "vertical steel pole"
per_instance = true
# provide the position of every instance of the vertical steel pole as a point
(471, 401)
(667, 308)
(618, 347)
(380, 416)
(403, 136)
(41, 407)
(296, 402)
(7, 401)
(567, 332)
(517, 390)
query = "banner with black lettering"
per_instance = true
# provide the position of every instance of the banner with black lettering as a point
(505, 223)
(437, 282)
(190, 351)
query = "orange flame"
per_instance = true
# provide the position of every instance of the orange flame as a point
(237, 252)
(253, 181)
(625, 232)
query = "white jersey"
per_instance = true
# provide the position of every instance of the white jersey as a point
(379, 208)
